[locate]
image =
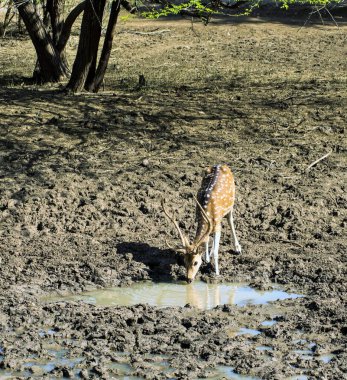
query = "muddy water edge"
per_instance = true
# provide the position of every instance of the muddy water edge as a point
(81, 182)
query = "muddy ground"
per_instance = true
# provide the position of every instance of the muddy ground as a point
(82, 178)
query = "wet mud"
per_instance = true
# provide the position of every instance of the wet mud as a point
(81, 182)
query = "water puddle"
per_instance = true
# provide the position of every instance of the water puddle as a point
(269, 323)
(122, 368)
(35, 367)
(309, 355)
(199, 294)
(124, 371)
(232, 333)
(307, 351)
(326, 358)
(44, 333)
(228, 373)
(264, 348)
(245, 331)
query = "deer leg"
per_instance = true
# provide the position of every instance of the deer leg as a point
(216, 239)
(212, 247)
(237, 245)
(207, 252)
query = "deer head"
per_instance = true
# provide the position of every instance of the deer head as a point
(191, 251)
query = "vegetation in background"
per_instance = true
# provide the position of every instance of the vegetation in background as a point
(49, 31)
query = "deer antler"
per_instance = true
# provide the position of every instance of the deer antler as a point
(203, 212)
(184, 239)
(178, 250)
(206, 218)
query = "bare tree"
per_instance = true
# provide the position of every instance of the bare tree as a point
(52, 67)
(88, 53)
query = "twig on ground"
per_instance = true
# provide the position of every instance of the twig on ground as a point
(291, 242)
(146, 33)
(333, 199)
(319, 159)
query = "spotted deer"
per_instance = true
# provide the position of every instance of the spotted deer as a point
(215, 200)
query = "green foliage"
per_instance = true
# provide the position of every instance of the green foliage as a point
(172, 9)
(127, 17)
(201, 7)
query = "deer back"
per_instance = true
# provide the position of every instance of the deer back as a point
(216, 196)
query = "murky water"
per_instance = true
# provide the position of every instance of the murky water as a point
(264, 348)
(268, 323)
(123, 371)
(123, 368)
(199, 294)
(228, 373)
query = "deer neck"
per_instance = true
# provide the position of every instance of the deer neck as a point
(204, 198)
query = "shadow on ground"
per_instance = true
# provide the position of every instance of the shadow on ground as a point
(158, 261)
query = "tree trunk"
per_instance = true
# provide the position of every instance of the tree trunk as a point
(52, 68)
(19, 24)
(98, 27)
(107, 47)
(85, 61)
(66, 30)
(55, 8)
(8, 18)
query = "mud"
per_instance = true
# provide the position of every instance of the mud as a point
(82, 178)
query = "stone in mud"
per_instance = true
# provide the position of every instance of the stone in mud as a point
(36, 370)
(84, 374)
(344, 330)
(313, 306)
(11, 363)
(100, 371)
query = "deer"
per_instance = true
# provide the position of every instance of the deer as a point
(214, 201)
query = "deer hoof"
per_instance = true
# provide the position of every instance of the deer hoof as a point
(238, 249)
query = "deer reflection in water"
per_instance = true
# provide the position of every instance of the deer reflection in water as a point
(198, 294)
(201, 295)
(209, 295)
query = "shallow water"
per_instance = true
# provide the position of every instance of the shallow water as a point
(228, 373)
(199, 294)
(326, 358)
(246, 331)
(46, 366)
(268, 323)
(264, 348)
(124, 369)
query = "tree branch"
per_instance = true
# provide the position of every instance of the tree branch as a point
(128, 6)
(66, 31)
